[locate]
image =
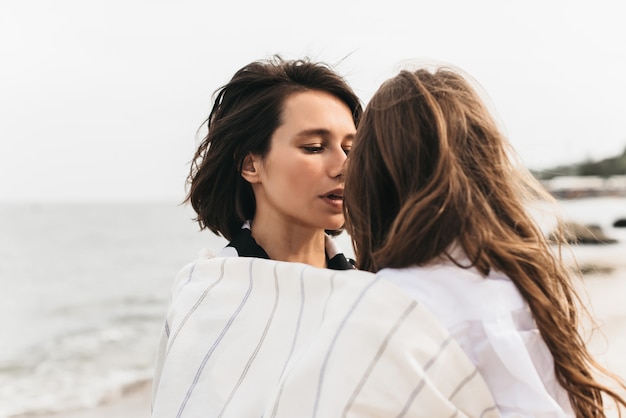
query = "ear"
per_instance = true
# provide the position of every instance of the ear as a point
(250, 169)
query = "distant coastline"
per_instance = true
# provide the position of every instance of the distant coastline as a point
(605, 168)
(576, 187)
(602, 178)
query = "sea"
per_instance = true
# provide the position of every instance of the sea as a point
(85, 288)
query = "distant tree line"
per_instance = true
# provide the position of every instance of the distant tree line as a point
(607, 167)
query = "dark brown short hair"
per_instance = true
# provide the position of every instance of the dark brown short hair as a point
(246, 112)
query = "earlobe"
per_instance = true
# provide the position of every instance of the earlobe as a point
(249, 168)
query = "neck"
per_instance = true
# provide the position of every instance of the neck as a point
(285, 242)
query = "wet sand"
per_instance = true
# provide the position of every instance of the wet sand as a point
(134, 404)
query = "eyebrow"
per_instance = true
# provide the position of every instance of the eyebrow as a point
(320, 132)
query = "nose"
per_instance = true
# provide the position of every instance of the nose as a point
(338, 163)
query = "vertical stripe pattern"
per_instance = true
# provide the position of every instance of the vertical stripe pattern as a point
(270, 339)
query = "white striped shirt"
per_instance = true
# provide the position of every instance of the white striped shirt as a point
(494, 326)
(248, 337)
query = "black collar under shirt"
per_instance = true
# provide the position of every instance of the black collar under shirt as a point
(246, 246)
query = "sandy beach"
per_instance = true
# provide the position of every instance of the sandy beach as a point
(604, 293)
(135, 403)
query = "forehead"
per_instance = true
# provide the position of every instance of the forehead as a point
(314, 107)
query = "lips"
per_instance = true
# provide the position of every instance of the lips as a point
(335, 195)
(334, 200)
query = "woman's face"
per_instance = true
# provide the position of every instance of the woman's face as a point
(300, 181)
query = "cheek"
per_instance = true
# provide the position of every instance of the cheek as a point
(309, 172)
(293, 175)
(299, 167)
(298, 179)
(282, 175)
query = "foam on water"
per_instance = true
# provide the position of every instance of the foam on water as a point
(73, 371)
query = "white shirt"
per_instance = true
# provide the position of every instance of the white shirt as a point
(248, 337)
(494, 326)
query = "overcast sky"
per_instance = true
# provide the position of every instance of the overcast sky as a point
(101, 100)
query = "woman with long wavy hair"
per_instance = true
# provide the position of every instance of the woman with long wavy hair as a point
(435, 204)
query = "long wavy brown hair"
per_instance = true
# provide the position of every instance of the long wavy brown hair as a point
(430, 167)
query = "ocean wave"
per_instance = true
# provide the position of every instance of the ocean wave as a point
(75, 371)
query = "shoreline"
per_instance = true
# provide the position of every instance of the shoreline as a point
(134, 402)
